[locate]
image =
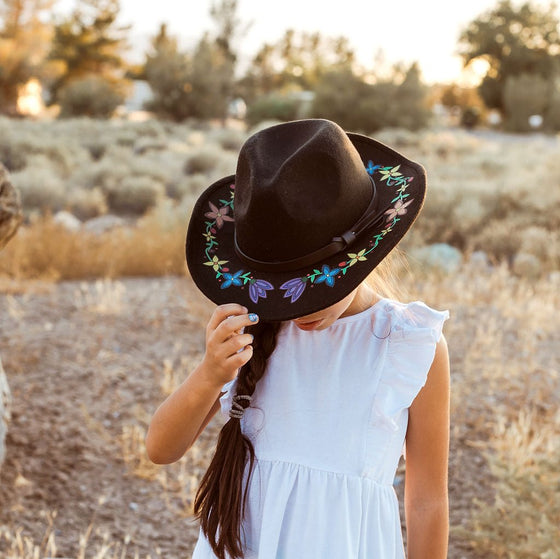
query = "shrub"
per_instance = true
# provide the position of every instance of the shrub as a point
(524, 95)
(134, 195)
(498, 239)
(338, 97)
(470, 117)
(272, 107)
(40, 187)
(202, 161)
(552, 116)
(191, 185)
(12, 158)
(229, 139)
(86, 204)
(91, 96)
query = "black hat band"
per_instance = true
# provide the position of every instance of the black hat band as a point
(338, 243)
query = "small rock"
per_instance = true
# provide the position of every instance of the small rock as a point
(526, 265)
(68, 221)
(103, 223)
(439, 255)
(479, 259)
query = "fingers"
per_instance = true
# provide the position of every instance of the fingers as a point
(237, 360)
(228, 348)
(236, 343)
(223, 311)
(230, 324)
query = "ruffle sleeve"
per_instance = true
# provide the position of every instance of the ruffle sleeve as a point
(414, 332)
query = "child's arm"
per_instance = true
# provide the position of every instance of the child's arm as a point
(427, 452)
(179, 420)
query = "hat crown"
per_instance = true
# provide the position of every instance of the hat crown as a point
(297, 186)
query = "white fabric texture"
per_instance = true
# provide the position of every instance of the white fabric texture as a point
(328, 422)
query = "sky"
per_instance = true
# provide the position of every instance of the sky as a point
(425, 31)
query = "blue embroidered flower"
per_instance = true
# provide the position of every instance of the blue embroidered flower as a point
(371, 168)
(294, 288)
(328, 275)
(258, 288)
(232, 279)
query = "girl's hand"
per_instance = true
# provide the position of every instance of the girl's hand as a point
(227, 347)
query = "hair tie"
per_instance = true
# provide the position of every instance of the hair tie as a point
(237, 410)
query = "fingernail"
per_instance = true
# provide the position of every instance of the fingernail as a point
(253, 317)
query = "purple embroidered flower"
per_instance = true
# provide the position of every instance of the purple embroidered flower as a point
(328, 275)
(398, 209)
(232, 279)
(220, 215)
(294, 288)
(258, 288)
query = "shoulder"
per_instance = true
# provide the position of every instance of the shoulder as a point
(414, 321)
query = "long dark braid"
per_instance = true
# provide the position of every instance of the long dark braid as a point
(220, 500)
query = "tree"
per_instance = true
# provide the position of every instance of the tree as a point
(525, 95)
(24, 44)
(221, 52)
(168, 72)
(398, 100)
(211, 79)
(198, 84)
(514, 41)
(297, 61)
(90, 43)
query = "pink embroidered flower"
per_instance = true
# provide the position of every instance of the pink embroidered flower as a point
(220, 215)
(398, 209)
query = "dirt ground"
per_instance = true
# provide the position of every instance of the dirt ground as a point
(83, 362)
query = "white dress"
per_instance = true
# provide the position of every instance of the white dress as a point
(328, 423)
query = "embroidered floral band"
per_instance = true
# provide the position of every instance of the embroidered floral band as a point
(322, 274)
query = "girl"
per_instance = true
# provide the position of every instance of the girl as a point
(323, 381)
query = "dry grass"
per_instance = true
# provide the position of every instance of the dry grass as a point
(505, 401)
(484, 193)
(20, 546)
(46, 250)
(178, 481)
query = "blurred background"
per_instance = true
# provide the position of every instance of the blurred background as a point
(115, 115)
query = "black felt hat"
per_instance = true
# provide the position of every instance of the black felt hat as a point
(310, 212)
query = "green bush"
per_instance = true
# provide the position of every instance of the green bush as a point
(338, 97)
(552, 116)
(524, 95)
(92, 96)
(12, 158)
(344, 97)
(40, 186)
(86, 204)
(272, 107)
(470, 117)
(135, 195)
(202, 161)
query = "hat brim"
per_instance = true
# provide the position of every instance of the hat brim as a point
(275, 296)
